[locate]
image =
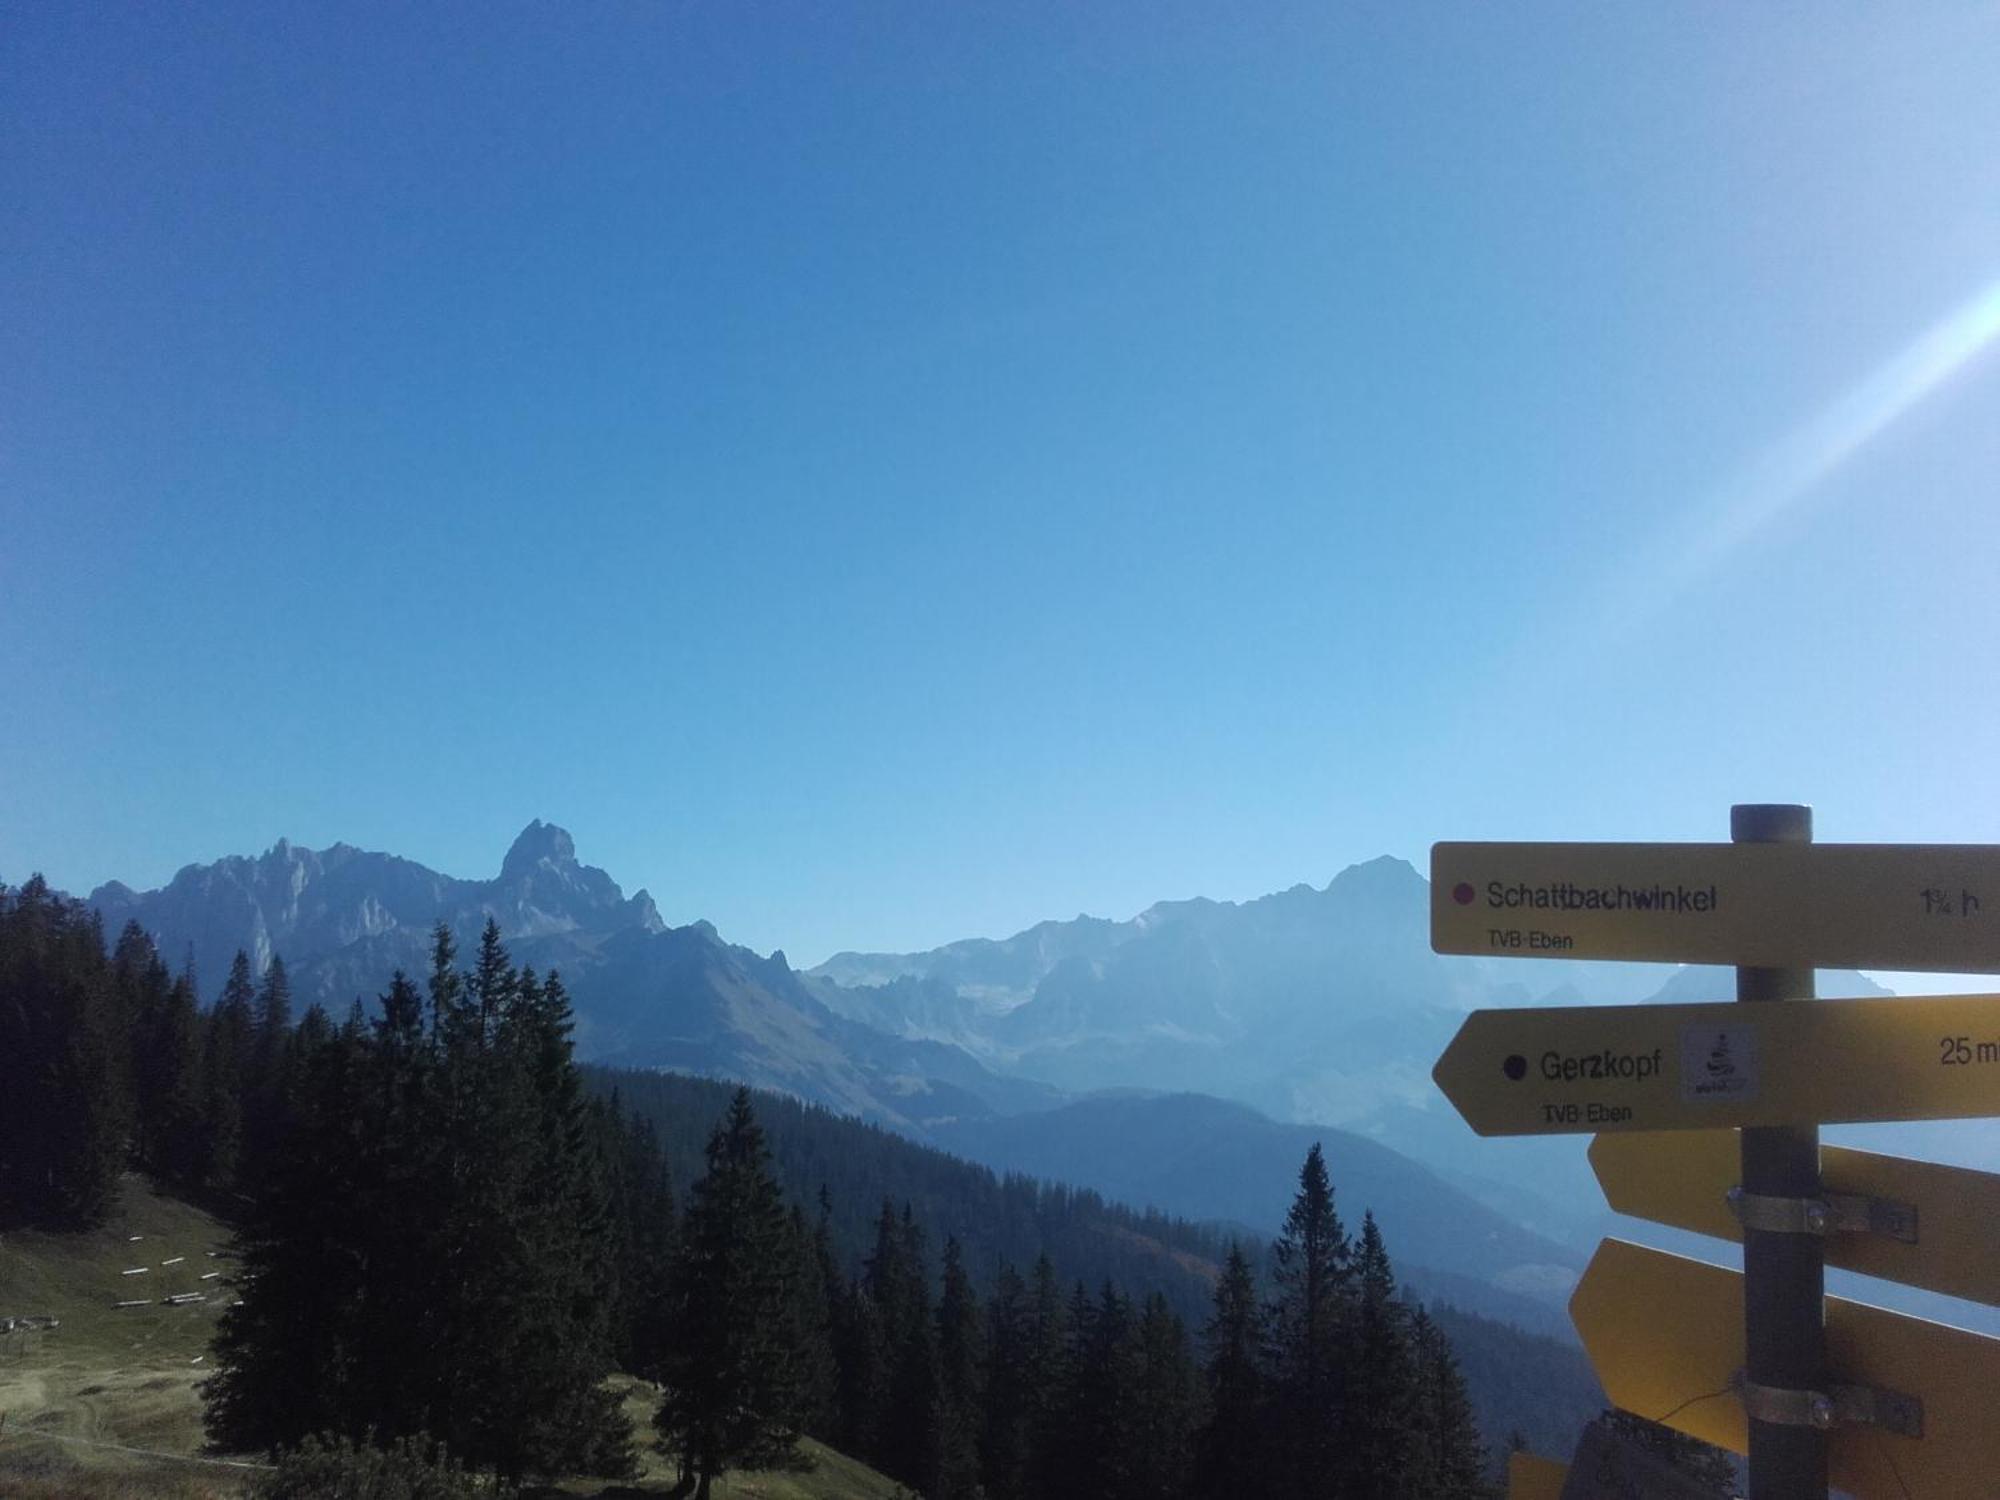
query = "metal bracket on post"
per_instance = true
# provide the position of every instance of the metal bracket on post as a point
(1829, 1213)
(1837, 1405)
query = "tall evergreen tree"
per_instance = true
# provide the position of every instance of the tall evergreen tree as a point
(274, 1015)
(146, 984)
(433, 1229)
(1090, 1440)
(1448, 1457)
(647, 1225)
(859, 1344)
(63, 1112)
(957, 1403)
(1311, 1322)
(263, 1108)
(303, 1272)
(176, 1127)
(227, 1042)
(1381, 1413)
(1232, 1449)
(811, 1314)
(1160, 1417)
(908, 1445)
(1050, 1376)
(731, 1377)
(1007, 1414)
(560, 1252)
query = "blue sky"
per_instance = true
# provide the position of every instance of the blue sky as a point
(884, 474)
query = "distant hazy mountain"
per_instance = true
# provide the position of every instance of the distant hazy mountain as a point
(646, 995)
(1324, 1005)
(1312, 1005)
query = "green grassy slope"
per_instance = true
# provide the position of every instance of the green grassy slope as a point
(108, 1377)
(833, 1476)
(77, 1400)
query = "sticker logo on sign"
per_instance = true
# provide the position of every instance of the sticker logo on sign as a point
(1718, 1062)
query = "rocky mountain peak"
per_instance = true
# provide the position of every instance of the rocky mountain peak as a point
(645, 913)
(539, 844)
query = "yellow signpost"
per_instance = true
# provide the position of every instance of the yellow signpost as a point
(1665, 1335)
(1800, 905)
(1916, 1222)
(1814, 1389)
(1532, 1478)
(1568, 1069)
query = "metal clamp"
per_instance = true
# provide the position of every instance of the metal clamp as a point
(1853, 1405)
(1830, 1213)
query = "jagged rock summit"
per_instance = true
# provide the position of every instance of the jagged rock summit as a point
(645, 994)
(538, 845)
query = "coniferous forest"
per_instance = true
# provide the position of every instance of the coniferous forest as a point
(447, 1232)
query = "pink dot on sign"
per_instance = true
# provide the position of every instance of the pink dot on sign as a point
(1462, 893)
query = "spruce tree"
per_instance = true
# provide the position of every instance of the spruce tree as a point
(144, 983)
(1311, 1322)
(176, 1131)
(731, 1377)
(909, 1441)
(1448, 1451)
(811, 1316)
(433, 1229)
(1050, 1378)
(1092, 1432)
(958, 1398)
(290, 1357)
(1160, 1410)
(647, 1225)
(1232, 1449)
(886, 1293)
(1007, 1414)
(859, 1345)
(263, 1108)
(274, 1017)
(227, 1042)
(1381, 1413)
(560, 1418)
(63, 1106)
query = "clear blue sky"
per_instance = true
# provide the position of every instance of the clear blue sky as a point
(879, 474)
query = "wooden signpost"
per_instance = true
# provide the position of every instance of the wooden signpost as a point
(1813, 1389)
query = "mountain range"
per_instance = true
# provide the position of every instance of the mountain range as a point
(1321, 1009)
(645, 994)
(1314, 1005)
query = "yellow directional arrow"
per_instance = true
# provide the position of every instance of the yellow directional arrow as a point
(1533, 1478)
(1878, 906)
(1665, 1335)
(1689, 1067)
(1945, 1239)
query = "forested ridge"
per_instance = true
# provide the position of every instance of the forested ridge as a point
(995, 1216)
(445, 1233)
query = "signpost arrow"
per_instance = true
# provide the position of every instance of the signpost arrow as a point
(1775, 905)
(1533, 1478)
(1611, 1465)
(1665, 1335)
(1933, 1226)
(1549, 1071)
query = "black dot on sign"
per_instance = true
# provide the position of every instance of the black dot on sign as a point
(1515, 1067)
